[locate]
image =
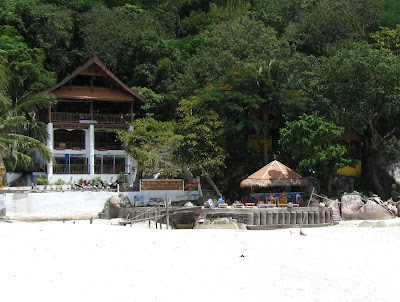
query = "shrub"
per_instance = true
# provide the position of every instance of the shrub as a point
(60, 182)
(42, 181)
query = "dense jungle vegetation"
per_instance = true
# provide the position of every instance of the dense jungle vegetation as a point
(294, 74)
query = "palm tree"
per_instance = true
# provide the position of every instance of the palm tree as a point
(21, 134)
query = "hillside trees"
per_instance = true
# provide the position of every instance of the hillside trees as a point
(358, 87)
(313, 142)
(26, 65)
(228, 46)
(387, 39)
(333, 23)
(45, 27)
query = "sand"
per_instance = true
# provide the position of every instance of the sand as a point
(56, 261)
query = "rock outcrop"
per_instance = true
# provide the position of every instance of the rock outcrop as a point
(354, 207)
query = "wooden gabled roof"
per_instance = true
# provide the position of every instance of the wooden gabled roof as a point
(273, 174)
(102, 70)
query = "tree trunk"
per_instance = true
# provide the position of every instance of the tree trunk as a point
(265, 143)
(229, 9)
(170, 17)
(374, 176)
(330, 178)
(265, 135)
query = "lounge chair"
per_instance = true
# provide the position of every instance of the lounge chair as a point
(238, 205)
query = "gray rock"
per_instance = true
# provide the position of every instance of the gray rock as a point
(218, 223)
(355, 208)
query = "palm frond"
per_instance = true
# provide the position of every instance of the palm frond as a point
(34, 103)
(4, 75)
(25, 144)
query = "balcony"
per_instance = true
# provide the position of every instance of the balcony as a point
(70, 169)
(103, 146)
(109, 169)
(84, 169)
(69, 145)
(66, 117)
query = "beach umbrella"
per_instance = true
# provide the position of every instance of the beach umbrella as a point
(275, 174)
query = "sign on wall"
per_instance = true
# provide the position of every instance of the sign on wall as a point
(161, 185)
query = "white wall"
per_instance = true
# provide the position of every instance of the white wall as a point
(57, 205)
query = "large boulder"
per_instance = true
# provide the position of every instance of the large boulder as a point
(354, 207)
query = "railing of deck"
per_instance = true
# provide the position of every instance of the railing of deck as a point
(70, 169)
(69, 145)
(84, 169)
(109, 169)
(99, 118)
(101, 146)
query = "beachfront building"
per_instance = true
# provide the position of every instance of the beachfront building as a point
(92, 103)
(275, 176)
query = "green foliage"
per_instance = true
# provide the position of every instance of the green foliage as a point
(42, 181)
(28, 74)
(313, 142)
(154, 103)
(230, 46)
(170, 50)
(202, 137)
(96, 181)
(387, 39)
(122, 177)
(333, 22)
(359, 87)
(391, 13)
(126, 39)
(43, 26)
(152, 144)
(194, 24)
(60, 182)
(21, 134)
(278, 14)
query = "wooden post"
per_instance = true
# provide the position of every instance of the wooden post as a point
(167, 210)
(158, 215)
(132, 112)
(91, 84)
(91, 111)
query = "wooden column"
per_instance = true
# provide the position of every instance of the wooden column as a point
(91, 111)
(132, 112)
(91, 83)
(49, 115)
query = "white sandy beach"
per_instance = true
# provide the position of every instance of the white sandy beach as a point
(56, 261)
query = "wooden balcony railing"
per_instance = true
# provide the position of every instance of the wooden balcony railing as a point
(109, 169)
(354, 153)
(99, 118)
(69, 145)
(70, 169)
(108, 146)
(84, 169)
(69, 117)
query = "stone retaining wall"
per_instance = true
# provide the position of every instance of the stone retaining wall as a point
(253, 218)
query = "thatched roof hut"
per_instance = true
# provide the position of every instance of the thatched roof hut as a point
(275, 174)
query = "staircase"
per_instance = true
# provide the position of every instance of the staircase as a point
(336, 215)
(208, 191)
